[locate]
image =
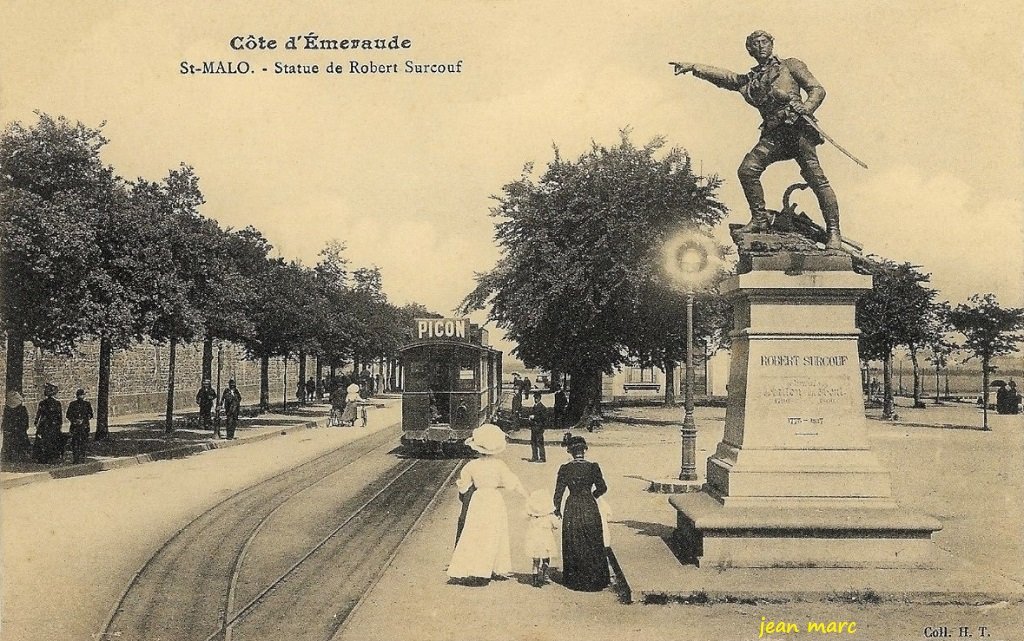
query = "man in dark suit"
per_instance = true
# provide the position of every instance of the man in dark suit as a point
(561, 403)
(538, 421)
(79, 413)
(49, 445)
(232, 400)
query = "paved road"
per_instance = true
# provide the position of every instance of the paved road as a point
(71, 546)
(288, 557)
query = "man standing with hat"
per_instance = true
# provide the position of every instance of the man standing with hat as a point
(205, 398)
(79, 413)
(232, 400)
(49, 441)
(538, 421)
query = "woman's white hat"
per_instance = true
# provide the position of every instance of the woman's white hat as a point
(487, 439)
(539, 503)
(354, 387)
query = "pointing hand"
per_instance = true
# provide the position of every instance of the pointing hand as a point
(682, 67)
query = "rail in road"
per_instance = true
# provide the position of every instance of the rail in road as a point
(287, 558)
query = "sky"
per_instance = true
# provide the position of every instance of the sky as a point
(402, 167)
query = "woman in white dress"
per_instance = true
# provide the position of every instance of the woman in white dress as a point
(352, 401)
(482, 550)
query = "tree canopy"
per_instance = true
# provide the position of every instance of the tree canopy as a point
(581, 250)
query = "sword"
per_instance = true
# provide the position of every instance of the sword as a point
(814, 123)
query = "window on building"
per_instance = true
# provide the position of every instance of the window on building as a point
(641, 375)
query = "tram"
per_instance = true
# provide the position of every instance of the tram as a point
(451, 383)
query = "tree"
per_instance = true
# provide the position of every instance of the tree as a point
(989, 330)
(580, 249)
(173, 304)
(660, 338)
(53, 187)
(897, 311)
(939, 346)
(283, 302)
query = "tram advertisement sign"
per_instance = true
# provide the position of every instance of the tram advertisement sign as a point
(442, 328)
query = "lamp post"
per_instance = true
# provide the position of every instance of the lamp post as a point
(690, 259)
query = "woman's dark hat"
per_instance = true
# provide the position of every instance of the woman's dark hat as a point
(576, 443)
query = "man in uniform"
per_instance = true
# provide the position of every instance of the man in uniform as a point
(79, 414)
(205, 398)
(232, 400)
(774, 87)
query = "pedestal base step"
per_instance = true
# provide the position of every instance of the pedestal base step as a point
(793, 536)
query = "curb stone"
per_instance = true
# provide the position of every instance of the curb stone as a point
(183, 451)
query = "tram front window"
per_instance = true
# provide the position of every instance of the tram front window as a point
(438, 408)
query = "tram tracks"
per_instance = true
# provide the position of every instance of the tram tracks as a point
(190, 588)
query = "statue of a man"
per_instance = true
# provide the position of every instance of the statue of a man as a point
(774, 86)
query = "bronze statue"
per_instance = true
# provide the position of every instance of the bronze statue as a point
(789, 131)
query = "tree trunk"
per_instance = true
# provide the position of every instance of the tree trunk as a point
(918, 381)
(888, 404)
(284, 392)
(169, 414)
(15, 362)
(585, 398)
(264, 383)
(937, 365)
(302, 376)
(103, 390)
(670, 382)
(208, 358)
(984, 393)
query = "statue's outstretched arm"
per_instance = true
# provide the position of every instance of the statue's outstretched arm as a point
(719, 77)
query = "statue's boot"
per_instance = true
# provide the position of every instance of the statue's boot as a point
(758, 223)
(834, 240)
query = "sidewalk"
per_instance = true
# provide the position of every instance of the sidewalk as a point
(979, 548)
(140, 438)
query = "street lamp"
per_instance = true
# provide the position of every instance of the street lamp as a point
(692, 260)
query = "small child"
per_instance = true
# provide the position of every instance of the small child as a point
(540, 542)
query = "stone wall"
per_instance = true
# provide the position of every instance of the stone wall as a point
(138, 376)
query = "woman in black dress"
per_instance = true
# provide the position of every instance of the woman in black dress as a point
(17, 446)
(584, 561)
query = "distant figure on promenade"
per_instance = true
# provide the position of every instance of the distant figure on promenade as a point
(1013, 398)
(311, 396)
(49, 445)
(561, 403)
(527, 386)
(517, 400)
(1002, 399)
(538, 422)
(319, 390)
(79, 414)
(584, 558)
(205, 398)
(337, 399)
(365, 380)
(17, 446)
(482, 551)
(232, 402)
(540, 540)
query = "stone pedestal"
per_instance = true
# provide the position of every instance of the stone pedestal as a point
(794, 482)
